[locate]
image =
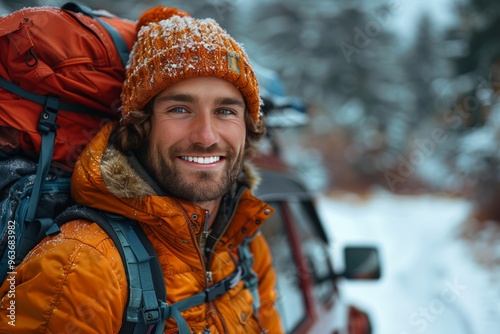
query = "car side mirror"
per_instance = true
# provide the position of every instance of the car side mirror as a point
(361, 263)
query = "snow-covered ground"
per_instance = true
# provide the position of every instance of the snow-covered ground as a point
(431, 282)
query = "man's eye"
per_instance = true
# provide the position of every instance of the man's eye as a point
(226, 112)
(178, 110)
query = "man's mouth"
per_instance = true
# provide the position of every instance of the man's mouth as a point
(202, 160)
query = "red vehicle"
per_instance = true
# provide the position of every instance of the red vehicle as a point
(309, 299)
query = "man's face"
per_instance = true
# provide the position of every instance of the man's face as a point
(197, 138)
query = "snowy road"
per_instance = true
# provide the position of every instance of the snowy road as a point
(431, 283)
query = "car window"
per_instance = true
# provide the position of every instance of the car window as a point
(291, 303)
(314, 249)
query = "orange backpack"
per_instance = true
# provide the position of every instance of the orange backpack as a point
(61, 73)
(63, 68)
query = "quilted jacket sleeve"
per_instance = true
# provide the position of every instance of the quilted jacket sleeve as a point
(70, 283)
(268, 313)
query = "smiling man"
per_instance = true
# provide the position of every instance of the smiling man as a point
(176, 164)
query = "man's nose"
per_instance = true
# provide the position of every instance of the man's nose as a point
(204, 130)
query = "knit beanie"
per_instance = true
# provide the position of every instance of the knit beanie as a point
(172, 46)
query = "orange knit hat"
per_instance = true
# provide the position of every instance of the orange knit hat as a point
(172, 46)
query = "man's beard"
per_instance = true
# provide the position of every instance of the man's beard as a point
(200, 186)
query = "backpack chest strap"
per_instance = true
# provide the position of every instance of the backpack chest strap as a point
(212, 292)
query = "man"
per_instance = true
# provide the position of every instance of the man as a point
(176, 164)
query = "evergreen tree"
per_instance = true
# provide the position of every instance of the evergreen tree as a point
(477, 159)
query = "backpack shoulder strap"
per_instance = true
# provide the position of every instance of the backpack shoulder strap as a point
(146, 310)
(47, 128)
(249, 275)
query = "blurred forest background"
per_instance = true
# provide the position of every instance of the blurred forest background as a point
(411, 112)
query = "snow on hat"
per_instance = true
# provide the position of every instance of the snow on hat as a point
(172, 46)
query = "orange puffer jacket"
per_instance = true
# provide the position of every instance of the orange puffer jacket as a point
(75, 282)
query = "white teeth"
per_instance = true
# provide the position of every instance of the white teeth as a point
(201, 160)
